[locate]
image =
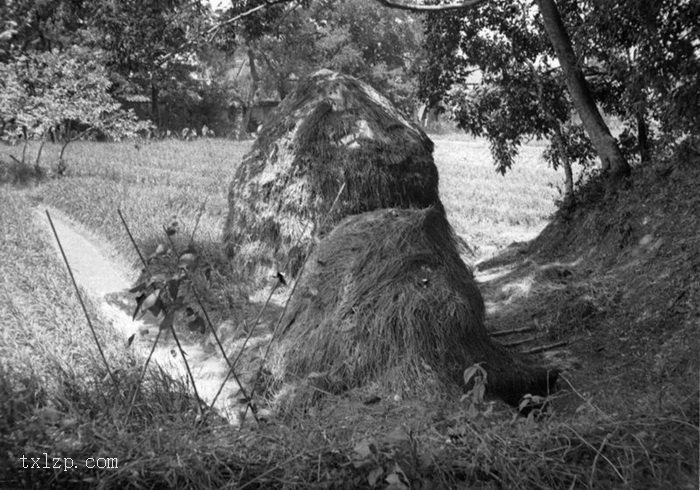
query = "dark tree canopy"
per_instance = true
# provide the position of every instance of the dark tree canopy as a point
(639, 60)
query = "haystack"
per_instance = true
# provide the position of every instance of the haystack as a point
(331, 130)
(385, 298)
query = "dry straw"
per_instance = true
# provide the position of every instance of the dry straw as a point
(385, 298)
(332, 130)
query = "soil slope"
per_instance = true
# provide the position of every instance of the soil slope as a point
(618, 280)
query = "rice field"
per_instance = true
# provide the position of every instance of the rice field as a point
(155, 181)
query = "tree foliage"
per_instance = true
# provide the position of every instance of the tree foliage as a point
(644, 64)
(41, 93)
(150, 46)
(356, 37)
(495, 72)
(27, 25)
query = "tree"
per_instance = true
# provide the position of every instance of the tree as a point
(510, 38)
(41, 26)
(355, 37)
(643, 65)
(41, 93)
(151, 45)
(504, 85)
(603, 141)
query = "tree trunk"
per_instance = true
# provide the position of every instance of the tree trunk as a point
(565, 162)
(282, 87)
(558, 140)
(643, 138)
(253, 89)
(612, 160)
(155, 112)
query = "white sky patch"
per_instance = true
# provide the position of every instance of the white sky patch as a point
(220, 4)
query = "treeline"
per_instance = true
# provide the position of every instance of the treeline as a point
(546, 69)
(112, 69)
(506, 70)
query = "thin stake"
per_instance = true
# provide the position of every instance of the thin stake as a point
(500, 333)
(286, 303)
(189, 372)
(141, 376)
(82, 303)
(223, 352)
(138, 251)
(202, 208)
(245, 341)
(543, 348)
(516, 343)
(155, 342)
(255, 325)
(213, 330)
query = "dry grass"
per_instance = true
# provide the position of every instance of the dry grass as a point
(332, 132)
(386, 299)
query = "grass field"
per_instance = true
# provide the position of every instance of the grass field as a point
(55, 395)
(153, 182)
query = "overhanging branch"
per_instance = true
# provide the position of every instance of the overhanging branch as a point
(414, 7)
(213, 31)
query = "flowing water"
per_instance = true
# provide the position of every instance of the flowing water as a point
(99, 273)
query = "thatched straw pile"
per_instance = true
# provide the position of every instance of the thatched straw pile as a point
(386, 298)
(331, 130)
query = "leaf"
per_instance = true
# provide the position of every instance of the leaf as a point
(525, 402)
(374, 475)
(172, 228)
(475, 373)
(372, 400)
(157, 307)
(145, 302)
(470, 372)
(139, 301)
(130, 340)
(187, 260)
(160, 250)
(173, 286)
(139, 287)
(394, 481)
(365, 448)
(197, 324)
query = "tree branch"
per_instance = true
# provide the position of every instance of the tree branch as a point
(213, 31)
(414, 7)
(268, 3)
